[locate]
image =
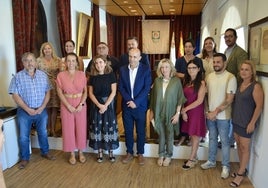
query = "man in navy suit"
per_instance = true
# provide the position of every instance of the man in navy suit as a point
(134, 86)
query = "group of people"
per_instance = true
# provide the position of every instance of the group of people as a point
(177, 102)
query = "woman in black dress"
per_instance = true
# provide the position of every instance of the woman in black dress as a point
(103, 129)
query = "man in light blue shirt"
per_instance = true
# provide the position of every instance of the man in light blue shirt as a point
(30, 89)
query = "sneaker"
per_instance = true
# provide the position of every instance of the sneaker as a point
(225, 172)
(208, 165)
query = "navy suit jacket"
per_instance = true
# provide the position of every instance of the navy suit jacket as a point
(142, 86)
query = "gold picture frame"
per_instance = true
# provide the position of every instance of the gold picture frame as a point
(84, 37)
(258, 45)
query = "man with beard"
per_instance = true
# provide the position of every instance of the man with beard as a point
(221, 86)
(30, 89)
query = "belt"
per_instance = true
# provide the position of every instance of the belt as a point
(73, 96)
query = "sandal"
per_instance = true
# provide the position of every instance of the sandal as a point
(72, 159)
(82, 157)
(235, 184)
(191, 165)
(167, 161)
(111, 156)
(233, 175)
(100, 156)
(160, 161)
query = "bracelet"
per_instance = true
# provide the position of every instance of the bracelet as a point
(81, 104)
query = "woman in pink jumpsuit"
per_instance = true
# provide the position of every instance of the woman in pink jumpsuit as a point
(72, 91)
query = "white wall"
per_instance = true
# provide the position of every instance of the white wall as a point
(257, 9)
(7, 51)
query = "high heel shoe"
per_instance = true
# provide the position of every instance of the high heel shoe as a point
(72, 159)
(191, 164)
(111, 156)
(82, 157)
(233, 175)
(237, 175)
(100, 156)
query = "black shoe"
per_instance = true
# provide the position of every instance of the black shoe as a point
(111, 156)
(100, 157)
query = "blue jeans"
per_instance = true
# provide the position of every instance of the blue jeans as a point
(137, 117)
(25, 122)
(221, 128)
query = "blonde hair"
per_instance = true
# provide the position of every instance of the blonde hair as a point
(107, 70)
(54, 56)
(172, 68)
(253, 68)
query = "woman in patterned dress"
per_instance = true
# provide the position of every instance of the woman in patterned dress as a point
(103, 130)
(51, 65)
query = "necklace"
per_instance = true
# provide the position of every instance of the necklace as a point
(165, 80)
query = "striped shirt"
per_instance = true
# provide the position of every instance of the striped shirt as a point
(32, 90)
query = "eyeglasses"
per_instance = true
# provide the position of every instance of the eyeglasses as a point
(191, 68)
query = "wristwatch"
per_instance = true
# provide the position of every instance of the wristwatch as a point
(81, 104)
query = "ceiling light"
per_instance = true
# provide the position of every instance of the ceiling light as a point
(133, 10)
(172, 10)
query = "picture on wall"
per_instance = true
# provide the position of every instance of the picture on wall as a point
(258, 42)
(264, 45)
(255, 40)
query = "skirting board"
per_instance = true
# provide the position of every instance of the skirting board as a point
(151, 150)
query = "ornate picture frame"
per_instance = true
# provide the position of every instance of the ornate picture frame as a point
(84, 37)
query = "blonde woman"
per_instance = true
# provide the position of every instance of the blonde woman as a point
(165, 104)
(51, 64)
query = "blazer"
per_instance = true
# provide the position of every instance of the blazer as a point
(235, 60)
(142, 86)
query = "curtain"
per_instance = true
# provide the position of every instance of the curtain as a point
(63, 8)
(110, 33)
(124, 27)
(96, 29)
(24, 19)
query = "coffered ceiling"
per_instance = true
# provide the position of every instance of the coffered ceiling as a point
(151, 7)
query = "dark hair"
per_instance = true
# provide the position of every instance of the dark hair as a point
(70, 41)
(190, 41)
(133, 38)
(223, 56)
(232, 30)
(199, 77)
(204, 52)
(102, 43)
(71, 54)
